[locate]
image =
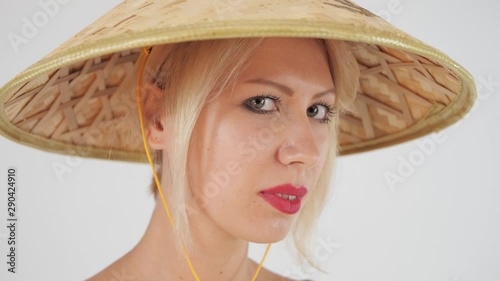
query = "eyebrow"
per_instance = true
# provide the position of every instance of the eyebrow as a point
(285, 89)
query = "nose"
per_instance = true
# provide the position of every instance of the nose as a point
(299, 144)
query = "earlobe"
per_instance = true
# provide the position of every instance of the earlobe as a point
(153, 115)
(156, 135)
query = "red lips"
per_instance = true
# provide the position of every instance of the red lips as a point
(288, 205)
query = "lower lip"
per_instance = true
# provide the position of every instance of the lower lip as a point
(284, 205)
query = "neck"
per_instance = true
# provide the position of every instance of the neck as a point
(216, 255)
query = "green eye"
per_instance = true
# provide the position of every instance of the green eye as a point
(262, 104)
(258, 102)
(312, 111)
(321, 112)
(265, 104)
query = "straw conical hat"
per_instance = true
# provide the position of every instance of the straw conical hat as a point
(68, 102)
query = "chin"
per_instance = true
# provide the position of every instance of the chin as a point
(273, 231)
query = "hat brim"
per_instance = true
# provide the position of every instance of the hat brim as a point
(407, 88)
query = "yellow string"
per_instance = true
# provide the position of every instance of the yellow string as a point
(145, 54)
(261, 262)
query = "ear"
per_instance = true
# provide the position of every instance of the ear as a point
(154, 118)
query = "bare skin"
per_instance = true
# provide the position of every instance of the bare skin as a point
(133, 267)
(294, 154)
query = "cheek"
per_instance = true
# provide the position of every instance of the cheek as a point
(220, 163)
(324, 143)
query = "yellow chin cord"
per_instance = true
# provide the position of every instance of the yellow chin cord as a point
(144, 56)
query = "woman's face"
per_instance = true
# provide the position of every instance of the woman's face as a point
(270, 131)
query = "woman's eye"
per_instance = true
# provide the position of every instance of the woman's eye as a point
(268, 104)
(262, 104)
(320, 112)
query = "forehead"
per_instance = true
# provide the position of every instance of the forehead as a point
(300, 49)
(290, 59)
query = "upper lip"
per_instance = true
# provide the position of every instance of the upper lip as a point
(287, 188)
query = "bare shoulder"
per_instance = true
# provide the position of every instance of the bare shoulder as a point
(119, 270)
(113, 272)
(105, 274)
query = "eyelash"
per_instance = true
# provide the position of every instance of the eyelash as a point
(246, 103)
(330, 110)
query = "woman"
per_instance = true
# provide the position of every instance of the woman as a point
(245, 130)
(275, 126)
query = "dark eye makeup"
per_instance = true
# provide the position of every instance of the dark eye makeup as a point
(256, 103)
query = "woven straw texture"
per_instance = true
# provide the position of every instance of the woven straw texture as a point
(69, 103)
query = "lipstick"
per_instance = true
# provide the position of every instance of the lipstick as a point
(286, 198)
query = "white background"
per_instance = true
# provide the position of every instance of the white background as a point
(441, 224)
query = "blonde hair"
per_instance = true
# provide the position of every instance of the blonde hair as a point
(177, 70)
